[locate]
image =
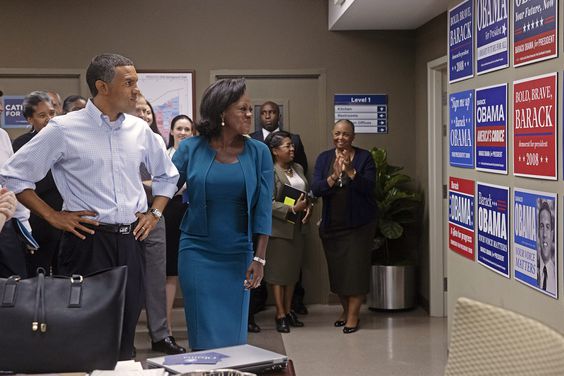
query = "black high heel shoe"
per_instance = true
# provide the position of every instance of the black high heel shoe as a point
(339, 323)
(349, 330)
(282, 325)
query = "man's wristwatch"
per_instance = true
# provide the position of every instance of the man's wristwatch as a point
(259, 260)
(156, 213)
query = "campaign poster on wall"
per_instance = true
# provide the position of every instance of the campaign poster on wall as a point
(461, 42)
(461, 216)
(492, 35)
(13, 117)
(491, 129)
(535, 31)
(534, 240)
(461, 129)
(534, 127)
(493, 227)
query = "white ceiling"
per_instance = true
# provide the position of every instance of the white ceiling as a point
(383, 14)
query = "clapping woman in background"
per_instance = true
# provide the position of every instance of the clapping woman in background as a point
(286, 244)
(344, 177)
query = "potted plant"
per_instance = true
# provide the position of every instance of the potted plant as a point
(393, 263)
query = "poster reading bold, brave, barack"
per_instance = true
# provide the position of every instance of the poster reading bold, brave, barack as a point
(534, 240)
(461, 129)
(491, 129)
(493, 227)
(461, 42)
(535, 31)
(534, 127)
(461, 216)
(492, 35)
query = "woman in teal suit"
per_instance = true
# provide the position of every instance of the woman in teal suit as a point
(286, 244)
(229, 180)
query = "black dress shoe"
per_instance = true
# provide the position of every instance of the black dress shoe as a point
(293, 320)
(282, 325)
(168, 346)
(349, 330)
(253, 328)
(339, 323)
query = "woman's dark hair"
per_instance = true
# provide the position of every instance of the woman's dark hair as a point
(154, 127)
(274, 140)
(32, 100)
(173, 123)
(217, 97)
(67, 103)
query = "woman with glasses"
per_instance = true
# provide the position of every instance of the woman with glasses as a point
(285, 246)
(229, 183)
(344, 177)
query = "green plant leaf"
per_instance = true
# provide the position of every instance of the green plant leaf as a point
(396, 180)
(390, 229)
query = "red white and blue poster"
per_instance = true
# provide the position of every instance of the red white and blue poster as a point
(461, 129)
(535, 31)
(461, 42)
(461, 216)
(493, 227)
(492, 35)
(534, 127)
(534, 240)
(12, 117)
(491, 129)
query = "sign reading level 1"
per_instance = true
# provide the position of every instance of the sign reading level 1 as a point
(368, 112)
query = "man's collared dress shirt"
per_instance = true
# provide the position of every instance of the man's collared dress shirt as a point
(95, 164)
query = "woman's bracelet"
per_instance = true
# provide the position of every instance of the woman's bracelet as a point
(259, 260)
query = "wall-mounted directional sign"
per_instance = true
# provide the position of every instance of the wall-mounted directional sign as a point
(368, 112)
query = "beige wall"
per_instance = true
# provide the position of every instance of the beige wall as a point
(208, 35)
(470, 279)
(430, 44)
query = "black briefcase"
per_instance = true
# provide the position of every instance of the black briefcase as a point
(61, 324)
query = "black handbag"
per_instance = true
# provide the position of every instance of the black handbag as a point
(61, 324)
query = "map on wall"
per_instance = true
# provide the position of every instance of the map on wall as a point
(170, 94)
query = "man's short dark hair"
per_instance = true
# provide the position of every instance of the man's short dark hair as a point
(32, 100)
(103, 67)
(273, 104)
(545, 206)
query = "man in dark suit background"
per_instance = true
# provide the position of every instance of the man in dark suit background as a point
(270, 122)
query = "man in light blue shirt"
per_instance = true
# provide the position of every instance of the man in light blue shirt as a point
(94, 155)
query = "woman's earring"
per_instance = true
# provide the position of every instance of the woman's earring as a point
(222, 123)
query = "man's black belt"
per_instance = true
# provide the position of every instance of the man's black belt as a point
(114, 228)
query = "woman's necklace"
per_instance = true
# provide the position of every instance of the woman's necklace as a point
(289, 171)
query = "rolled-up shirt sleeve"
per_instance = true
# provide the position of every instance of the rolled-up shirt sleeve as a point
(165, 175)
(34, 160)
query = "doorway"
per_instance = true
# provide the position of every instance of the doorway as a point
(437, 110)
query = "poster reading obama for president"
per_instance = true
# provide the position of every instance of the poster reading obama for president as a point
(461, 41)
(491, 129)
(461, 216)
(534, 240)
(534, 127)
(461, 129)
(492, 35)
(535, 29)
(493, 227)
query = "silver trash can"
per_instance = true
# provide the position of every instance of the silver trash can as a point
(392, 287)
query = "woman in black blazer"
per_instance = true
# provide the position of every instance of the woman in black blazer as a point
(344, 177)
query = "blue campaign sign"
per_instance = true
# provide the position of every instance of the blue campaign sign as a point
(461, 129)
(12, 117)
(491, 129)
(492, 35)
(534, 240)
(368, 112)
(461, 41)
(493, 227)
